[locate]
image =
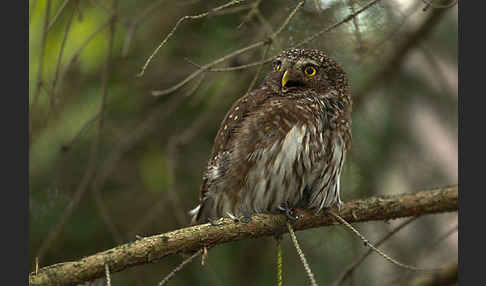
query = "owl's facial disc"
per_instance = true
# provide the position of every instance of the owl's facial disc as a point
(289, 81)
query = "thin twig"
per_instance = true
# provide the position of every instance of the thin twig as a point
(204, 256)
(132, 27)
(147, 11)
(305, 41)
(332, 27)
(110, 11)
(279, 261)
(253, 10)
(194, 88)
(59, 59)
(83, 186)
(381, 253)
(95, 191)
(301, 256)
(444, 83)
(204, 68)
(445, 235)
(232, 10)
(75, 55)
(86, 42)
(36, 265)
(287, 20)
(148, 217)
(264, 21)
(208, 67)
(257, 74)
(178, 268)
(348, 271)
(201, 90)
(59, 11)
(426, 250)
(107, 275)
(356, 30)
(192, 63)
(86, 125)
(32, 9)
(73, 203)
(80, 12)
(228, 56)
(40, 69)
(63, 43)
(142, 130)
(375, 49)
(175, 143)
(242, 66)
(392, 66)
(231, 3)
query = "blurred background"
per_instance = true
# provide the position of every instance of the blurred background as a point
(108, 161)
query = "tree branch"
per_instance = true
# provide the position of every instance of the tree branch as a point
(190, 239)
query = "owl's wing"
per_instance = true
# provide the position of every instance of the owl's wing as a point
(218, 163)
(264, 131)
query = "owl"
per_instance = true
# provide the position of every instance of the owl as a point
(281, 146)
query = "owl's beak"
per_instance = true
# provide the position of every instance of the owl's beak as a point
(285, 79)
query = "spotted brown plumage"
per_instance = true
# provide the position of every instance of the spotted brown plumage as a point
(282, 144)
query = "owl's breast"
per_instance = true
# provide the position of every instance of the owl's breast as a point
(282, 172)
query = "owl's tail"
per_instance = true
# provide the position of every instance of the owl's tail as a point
(194, 213)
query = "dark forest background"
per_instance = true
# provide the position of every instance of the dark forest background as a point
(108, 161)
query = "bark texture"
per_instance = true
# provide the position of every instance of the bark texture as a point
(190, 239)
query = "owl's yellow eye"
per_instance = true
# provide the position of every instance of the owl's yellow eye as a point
(277, 66)
(310, 71)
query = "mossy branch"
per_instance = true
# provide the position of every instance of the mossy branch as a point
(190, 239)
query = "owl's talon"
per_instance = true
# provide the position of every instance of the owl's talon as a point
(242, 219)
(233, 217)
(290, 213)
(339, 204)
(216, 222)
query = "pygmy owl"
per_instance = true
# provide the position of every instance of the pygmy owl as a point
(282, 145)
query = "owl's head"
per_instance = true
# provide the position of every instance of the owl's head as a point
(298, 71)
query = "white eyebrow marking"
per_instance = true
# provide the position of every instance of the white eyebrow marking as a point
(306, 61)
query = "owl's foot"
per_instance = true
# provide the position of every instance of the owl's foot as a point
(290, 213)
(216, 222)
(339, 204)
(242, 219)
